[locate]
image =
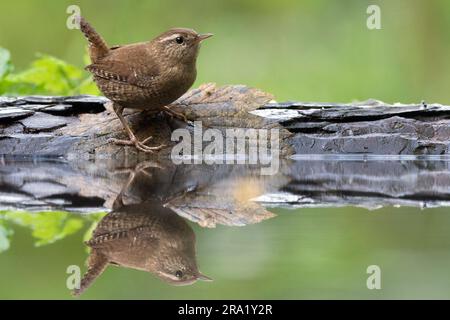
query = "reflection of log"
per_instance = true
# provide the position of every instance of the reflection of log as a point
(226, 194)
(369, 184)
(77, 127)
(190, 191)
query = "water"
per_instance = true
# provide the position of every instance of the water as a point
(310, 231)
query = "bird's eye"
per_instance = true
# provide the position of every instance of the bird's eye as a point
(179, 40)
(179, 274)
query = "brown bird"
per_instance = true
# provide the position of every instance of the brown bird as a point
(145, 76)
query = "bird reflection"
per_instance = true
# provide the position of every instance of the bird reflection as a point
(143, 235)
(145, 230)
(146, 237)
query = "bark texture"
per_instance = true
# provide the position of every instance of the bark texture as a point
(81, 127)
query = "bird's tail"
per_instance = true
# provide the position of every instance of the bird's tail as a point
(96, 265)
(97, 46)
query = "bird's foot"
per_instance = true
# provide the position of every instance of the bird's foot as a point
(175, 114)
(140, 145)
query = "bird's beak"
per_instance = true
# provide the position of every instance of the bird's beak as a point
(205, 36)
(202, 277)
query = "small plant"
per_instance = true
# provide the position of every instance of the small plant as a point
(47, 75)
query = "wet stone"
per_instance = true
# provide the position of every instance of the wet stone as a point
(44, 122)
(7, 100)
(36, 145)
(86, 99)
(34, 107)
(59, 108)
(12, 113)
(44, 189)
(12, 129)
(7, 198)
(42, 99)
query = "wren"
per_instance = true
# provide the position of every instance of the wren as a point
(144, 76)
(145, 237)
(141, 233)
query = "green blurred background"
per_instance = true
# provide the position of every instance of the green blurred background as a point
(300, 254)
(316, 50)
(297, 50)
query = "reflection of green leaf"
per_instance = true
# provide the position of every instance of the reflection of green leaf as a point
(88, 234)
(95, 218)
(47, 227)
(4, 238)
(5, 62)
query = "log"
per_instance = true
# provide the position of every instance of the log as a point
(81, 127)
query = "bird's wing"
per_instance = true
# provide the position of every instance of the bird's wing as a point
(125, 72)
(125, 236)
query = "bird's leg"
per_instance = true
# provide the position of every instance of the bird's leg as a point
(174, 114)
(133, 140)
(140, 168)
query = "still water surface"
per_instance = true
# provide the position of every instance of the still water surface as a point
(310, 231)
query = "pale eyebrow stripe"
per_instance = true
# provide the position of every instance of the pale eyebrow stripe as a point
(172, 37)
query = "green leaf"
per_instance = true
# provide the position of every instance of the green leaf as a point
(5, 62)
(49, 75)
(46, 75)
(16, 88)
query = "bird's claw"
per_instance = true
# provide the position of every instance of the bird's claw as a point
(175, 114)
(140, 145)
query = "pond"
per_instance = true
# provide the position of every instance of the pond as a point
(318, 228)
